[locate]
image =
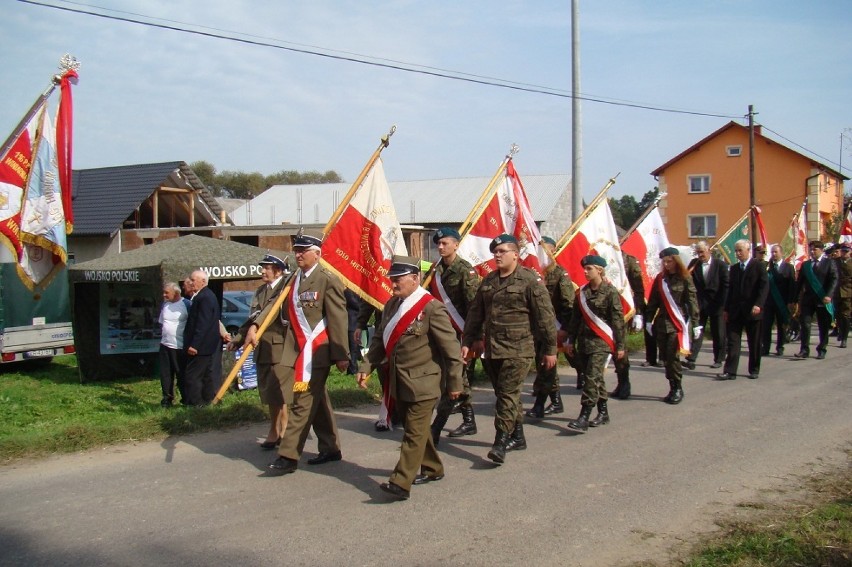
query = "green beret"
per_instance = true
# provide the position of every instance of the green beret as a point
(502, 239)
(593, 260)
(445, 232)
(548, 240)
(670, 251)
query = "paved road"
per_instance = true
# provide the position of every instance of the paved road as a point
(627, 491)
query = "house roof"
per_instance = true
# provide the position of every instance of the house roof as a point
(104, 197)
(695, 147)
(432, 201)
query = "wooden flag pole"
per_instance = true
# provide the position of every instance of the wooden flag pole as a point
(644, 215)
(279, 301)
(566, 238)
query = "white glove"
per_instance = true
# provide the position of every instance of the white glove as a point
(696, 332)
(649, 327)
(637, 323)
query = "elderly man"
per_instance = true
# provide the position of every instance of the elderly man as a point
(173, 317)
(316, 337)
(201, 341)
(779, 301)
(419, 345)
(512, 311)
(712, 280)
(815, 284)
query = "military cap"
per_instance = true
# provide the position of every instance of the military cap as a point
(759, 248)
(816, 244)
(593, 260)
(270, 259)
(548, 240)
(670, 251)
(502, 239)
(845, 247)
(831, 248)
(304, 240)
(445, 232)
(402, 265)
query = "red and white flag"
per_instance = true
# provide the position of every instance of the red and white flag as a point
(795, 243)
(597, 235)
(507, 212)
(846, 229)
(761, 230)
(645, 243)
(361, 244)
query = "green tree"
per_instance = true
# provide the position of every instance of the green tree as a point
(625, 211)
(648, 199)
(205, 171)
(242, 185)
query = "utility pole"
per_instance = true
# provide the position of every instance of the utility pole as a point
(576, 130)
(752, 203)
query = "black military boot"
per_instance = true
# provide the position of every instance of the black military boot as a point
(581, 380)
(442, 414)
(622, 390)
(516, 441)
(676, 395)
(498, 450)
(603, 415)
(582, 422)
(672, 388)
(555, 404)
(468, 426)
(538, 407)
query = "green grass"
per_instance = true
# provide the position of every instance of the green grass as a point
(45, 409)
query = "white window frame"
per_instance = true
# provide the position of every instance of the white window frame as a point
(689, 179)
(733, 151)
(704, 216)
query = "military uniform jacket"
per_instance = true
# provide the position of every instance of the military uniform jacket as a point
(270, 347)
(825, 271)
(561, 290)
(749, 288)
(844, 272)
(634, 277)
(427, 346)
(683, 293)
(320, 295)
(460, 282)
(510, 313)
(605, 302)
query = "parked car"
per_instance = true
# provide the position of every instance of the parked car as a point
(235, 309)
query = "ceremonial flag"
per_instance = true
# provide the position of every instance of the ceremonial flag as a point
(360, 245)
(645, 243)
(846, 229)
(760, 228)
(508, 211)
(794, 245)
(597, 234)
(737, 232)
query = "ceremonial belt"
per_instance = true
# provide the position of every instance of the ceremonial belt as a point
(437, 289)
(675, 315)
(595, 323)
(816, 286)
(780, 305)
(307, 339)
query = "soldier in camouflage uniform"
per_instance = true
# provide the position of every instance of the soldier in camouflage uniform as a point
(511, 310)
(454, 283)
(843, 299)
(595, 333)
(675, 278)
(561, 291)
(637, 286)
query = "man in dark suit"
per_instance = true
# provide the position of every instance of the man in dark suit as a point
(418, 342)
(816, 282)
(711, 279)
(744, 310)
(779, 300)
(201, 340)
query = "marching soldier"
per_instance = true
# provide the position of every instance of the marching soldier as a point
(637, 287)
(843, 299)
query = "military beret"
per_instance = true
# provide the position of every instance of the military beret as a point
(670, 251)
(502, 239)
(593, 260)
(402, 265)
(304, 240)
(270, 259)
(445, 232)
(816, 244)
(548, 240)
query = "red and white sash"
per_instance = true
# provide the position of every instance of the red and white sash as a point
(436, 286)
(410, 308)
(594, 322)
(307, 339)
(675, 315)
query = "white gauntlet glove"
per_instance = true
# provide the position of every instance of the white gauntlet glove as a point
(649, 327)
(637, 323)
(696, 332)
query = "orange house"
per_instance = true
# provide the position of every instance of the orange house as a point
(707, 187)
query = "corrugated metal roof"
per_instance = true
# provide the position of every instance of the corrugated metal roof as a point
(104, 197)
(432, 201)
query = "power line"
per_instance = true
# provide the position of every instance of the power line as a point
(825, 159)
(387, 64)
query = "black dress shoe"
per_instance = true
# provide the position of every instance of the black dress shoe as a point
(325, 458)
(689, 364)
(779, 351)
(269, 445)
(843, 343)
(726, 376)
(425, 478)
(716, 365)
(753, 375)
(282, 466)
(820, 355)
(802, 354)
(394, 490)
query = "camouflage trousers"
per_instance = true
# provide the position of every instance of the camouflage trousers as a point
(592, 365)
(507, 378)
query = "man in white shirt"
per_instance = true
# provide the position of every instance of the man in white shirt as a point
(172, 322)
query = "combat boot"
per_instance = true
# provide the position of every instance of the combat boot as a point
(582, 422)
(468, 426)
(517, 441)
(537, 410)
(672, 388)
(555, 404)
(498, 450)
(603, 415)
(581, 380)
(622, 390)
(677, 394)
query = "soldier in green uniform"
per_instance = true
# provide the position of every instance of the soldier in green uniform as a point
(561, 290)
(510, 311)
(637, 287)
(673, 300)
(454, 283)
(843, 305)
(596, 332)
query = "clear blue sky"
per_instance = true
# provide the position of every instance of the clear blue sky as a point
(148, 94)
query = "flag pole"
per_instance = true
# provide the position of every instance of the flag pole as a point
(565, 238)
(279, 301)
(644, 215)
(730, 230)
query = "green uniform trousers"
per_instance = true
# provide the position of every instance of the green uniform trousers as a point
(507, 378)
(546, 381)
(670, 345)
(592, 365)
(310, 408)
(417, 453)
